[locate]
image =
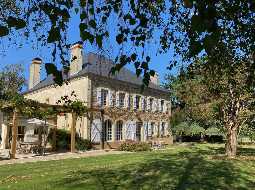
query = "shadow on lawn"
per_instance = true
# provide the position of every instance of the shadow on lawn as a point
(182, 171)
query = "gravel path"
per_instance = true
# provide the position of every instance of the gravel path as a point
(58, 156)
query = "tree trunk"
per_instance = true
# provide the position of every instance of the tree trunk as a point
(231, 143)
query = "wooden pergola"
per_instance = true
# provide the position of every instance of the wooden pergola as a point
(35, 108)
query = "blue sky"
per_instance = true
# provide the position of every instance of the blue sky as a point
(26, 52)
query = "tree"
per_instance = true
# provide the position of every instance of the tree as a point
(194, 28)
(225, 95)
(11, 81)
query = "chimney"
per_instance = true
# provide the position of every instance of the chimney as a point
(34, 72)
(76, 58)
(155, 79)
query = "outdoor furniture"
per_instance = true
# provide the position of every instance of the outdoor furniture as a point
(30, 147)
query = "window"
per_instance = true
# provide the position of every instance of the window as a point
(144, 104)
(138, 131)
(121, 99)
(151, 103)
(137, 102)
(104, 94)
(108, 130)
(119, 127)
(152, 128)
(162, 105)
(130, 101)
(162, 132)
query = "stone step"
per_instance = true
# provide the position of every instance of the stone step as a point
(4, 154)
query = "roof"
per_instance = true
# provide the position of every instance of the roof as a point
(100, 66)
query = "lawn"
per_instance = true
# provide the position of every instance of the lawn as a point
(179, 167)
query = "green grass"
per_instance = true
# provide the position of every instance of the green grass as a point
(179, 167)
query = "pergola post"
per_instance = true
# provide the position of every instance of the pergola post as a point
(73, 131)
(54, 134)
(102, 130)
(14, 134)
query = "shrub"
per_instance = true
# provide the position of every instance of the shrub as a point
(64, 140)
(133, 146)
(83, 144)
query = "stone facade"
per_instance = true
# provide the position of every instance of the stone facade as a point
(128, 112)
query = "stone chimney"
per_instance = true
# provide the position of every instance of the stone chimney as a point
(76, 58)
(155, 79)
(34, 72)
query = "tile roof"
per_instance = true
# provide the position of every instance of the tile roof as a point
(100, 66)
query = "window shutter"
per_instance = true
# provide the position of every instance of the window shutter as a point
(134, 100)
(129, 130)
(164, 107)
(133, 130)
(145, 130)
(149, 129)
(142, 102)
(148, 103)
(117, 99)
(96, 129)
(99, 99)
(154, 104)
(126, 101)
(110, 98)
(160, 107)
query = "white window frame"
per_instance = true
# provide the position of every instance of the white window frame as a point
(119, 130)
(106, 97)
(108, 130)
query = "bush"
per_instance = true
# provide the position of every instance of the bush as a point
(133, 146)
(64, 140)
(83, 144)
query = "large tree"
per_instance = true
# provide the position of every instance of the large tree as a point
(224, 96)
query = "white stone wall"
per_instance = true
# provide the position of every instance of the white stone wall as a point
(50, 95)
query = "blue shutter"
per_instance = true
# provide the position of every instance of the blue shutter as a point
(149, 129)
(117, 99)
(134, 131)
(145, 130)
(99, 99)
(96, 129)
(110, 98)
(142, 102)
(128, 130)
(134, 100)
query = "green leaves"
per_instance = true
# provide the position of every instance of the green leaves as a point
(57, 75)
(4, 31)
(15, 22)
(120, 38)
(99, 40)
(85, 35)
(93, 24)
(54, 35)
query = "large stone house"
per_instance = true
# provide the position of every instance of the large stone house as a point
(128, 112)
